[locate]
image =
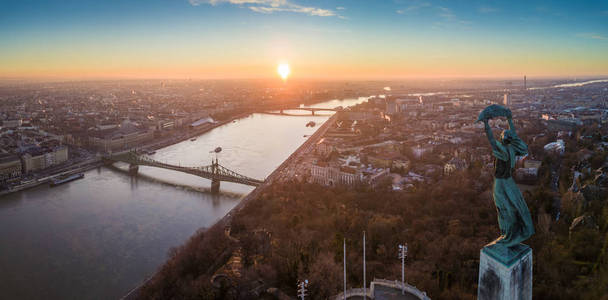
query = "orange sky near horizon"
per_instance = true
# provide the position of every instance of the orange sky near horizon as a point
(304, 68)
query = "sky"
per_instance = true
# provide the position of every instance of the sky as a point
(353, 39)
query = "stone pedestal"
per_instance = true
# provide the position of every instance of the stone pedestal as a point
(505, 273)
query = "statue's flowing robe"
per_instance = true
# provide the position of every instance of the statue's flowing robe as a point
(513, 215)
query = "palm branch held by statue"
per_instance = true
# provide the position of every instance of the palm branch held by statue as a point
(494, 111)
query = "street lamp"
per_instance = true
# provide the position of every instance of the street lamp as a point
(302, 285)
(364, 281)
(402, 255)
(344, 264)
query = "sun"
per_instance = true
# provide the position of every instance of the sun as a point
(283, 70)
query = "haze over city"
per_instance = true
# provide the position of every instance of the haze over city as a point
(319, 39)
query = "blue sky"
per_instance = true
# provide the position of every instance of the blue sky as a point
(245, 38)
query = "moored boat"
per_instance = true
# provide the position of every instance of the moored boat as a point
(64, 179)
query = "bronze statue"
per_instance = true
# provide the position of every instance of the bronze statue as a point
(513, 215)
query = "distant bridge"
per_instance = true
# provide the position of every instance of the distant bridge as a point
(215, 172)
(310, 109)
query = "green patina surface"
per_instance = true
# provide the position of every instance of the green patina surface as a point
(514, 218)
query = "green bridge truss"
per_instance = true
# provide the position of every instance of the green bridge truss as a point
(215, 172)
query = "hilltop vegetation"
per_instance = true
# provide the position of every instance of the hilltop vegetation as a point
(295, 230)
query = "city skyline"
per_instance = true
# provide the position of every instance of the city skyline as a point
(319, 39)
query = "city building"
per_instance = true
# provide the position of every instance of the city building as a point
(202, 123)
(455, 164)
(127, 136)
(10, 167)
(507, 99)
(324, 174)
(324, 147)
(388, 160)
(419, 151)
(14, 123)
(526, 175)
(42, 158)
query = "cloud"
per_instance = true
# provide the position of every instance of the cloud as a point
(340, 8)
(414, 7)
(272, 6)
(446, 15)
(487, 9)
(449, 16)
(593, 36)
(445, 12)
(273, 3)
(312, 11)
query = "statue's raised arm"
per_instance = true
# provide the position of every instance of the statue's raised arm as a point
(490, 135)
(508, 137)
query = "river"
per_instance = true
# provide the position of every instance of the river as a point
(98, 237)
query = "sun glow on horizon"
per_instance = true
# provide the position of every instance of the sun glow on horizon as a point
(283, 70)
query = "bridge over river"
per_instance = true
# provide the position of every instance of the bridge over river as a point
(281, 111)
(215, 172)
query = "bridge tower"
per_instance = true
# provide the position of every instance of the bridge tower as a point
(215, 182)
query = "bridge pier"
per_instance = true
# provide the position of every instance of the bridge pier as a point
(133, 169)
(215, 186)
(313, 112)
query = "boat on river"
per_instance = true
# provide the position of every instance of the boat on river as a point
(65, 179)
